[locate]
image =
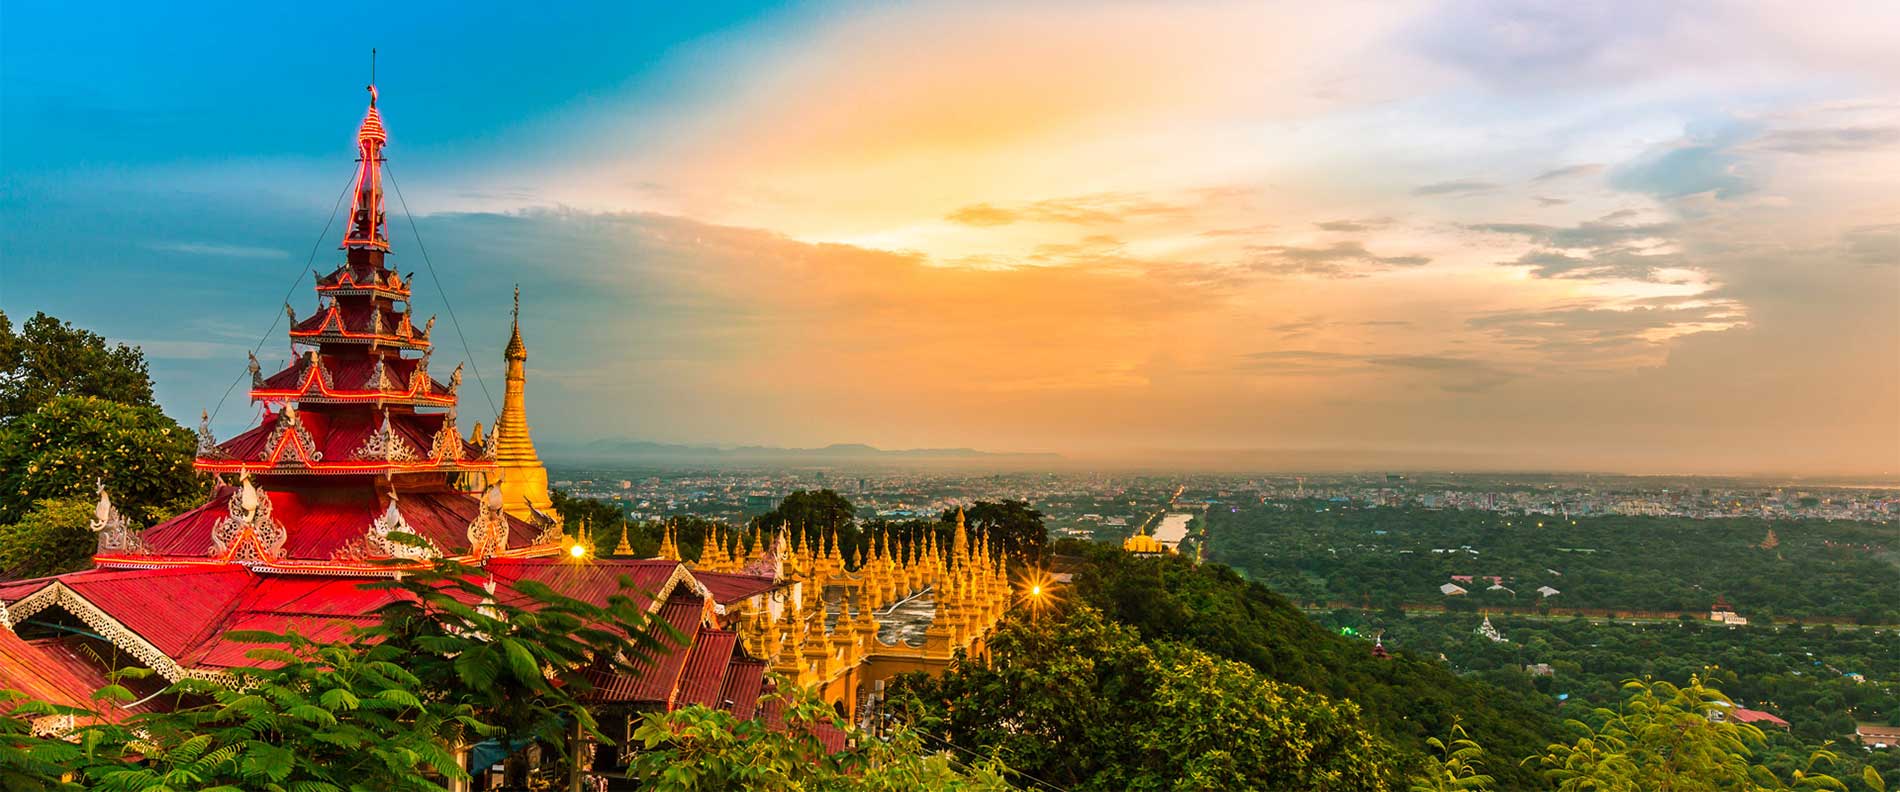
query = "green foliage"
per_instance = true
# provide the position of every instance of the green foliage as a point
(1662, 738)
(1080, 702)
(54, 537)
(1324, 553)
(1799, 673)
(49, 358)
(523, 665)
(1406, 699)
(375, 710)
(70, 443)
(808, 515)
(604, 519)
(1453, 765)
(696, 748)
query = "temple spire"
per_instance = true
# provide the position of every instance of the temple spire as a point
(516, 350)
(525, 479)
(367, 228)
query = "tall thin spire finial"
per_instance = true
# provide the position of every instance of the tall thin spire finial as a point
(372, 77)
(517, 304)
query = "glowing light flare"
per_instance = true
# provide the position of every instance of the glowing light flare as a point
(1036, 591)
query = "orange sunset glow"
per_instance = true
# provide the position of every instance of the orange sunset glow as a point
(1226, 234)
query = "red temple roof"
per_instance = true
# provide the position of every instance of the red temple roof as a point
(51, 670)
(658, 674)
(322, 441)
(745, 681)
(706, 668)
(338, 378)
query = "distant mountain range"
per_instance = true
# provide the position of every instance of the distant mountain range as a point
(652, 452)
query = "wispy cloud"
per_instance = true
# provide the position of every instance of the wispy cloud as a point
(1339, 260)
(1455, 187)
(1446, 372)
(1568, 171)
(1099, 209)
(217, 250)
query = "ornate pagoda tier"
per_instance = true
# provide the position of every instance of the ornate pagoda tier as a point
(356, 441)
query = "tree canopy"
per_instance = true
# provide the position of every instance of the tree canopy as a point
(1014, 529)
(48, 358)
(1081, 702)
(69, 445)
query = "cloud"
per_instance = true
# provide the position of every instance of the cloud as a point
(1592, 334)
(982, 215)
(1522, 46)
(1354, 226)
(1455, 187)
(1568, 171)
(1599, 233)
(1876, 244)
(1546, 201)
(1346, 259)
(1449, 373)
(1830, 140)
(221, 251)
(1097, 209)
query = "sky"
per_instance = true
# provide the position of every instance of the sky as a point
(1617, 236)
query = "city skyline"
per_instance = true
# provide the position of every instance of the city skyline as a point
(1614, 238)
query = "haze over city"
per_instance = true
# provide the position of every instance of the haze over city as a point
(1604, 237)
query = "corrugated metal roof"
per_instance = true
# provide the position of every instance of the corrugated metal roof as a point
(590, 581)
(739, 692)
(657, 676)
(705, 668)
(50, 671)
(170, 608)
(728, 588)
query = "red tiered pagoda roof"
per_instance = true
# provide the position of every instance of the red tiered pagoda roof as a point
(355, 442)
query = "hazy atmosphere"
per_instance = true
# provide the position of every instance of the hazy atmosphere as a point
(1608, 237)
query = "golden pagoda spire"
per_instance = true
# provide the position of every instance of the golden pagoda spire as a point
(960, 543)
(669, 550)
(524, 478)
(624, 548)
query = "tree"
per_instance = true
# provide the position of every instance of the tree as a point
(1662, 738)
(54, 537)
(1015, 530)
(696, 748)
(810, 514)
(49, 358)
(69, 445)
(1081, 702)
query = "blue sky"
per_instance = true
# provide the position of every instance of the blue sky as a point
(1623, 235)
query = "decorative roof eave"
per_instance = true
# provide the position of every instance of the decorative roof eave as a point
(113, 631)
(342, 281)
(355, 397)
(317, 387)
(352, 467)
(362, 290)
(372, 339)
(680, 577)
(332, 331)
